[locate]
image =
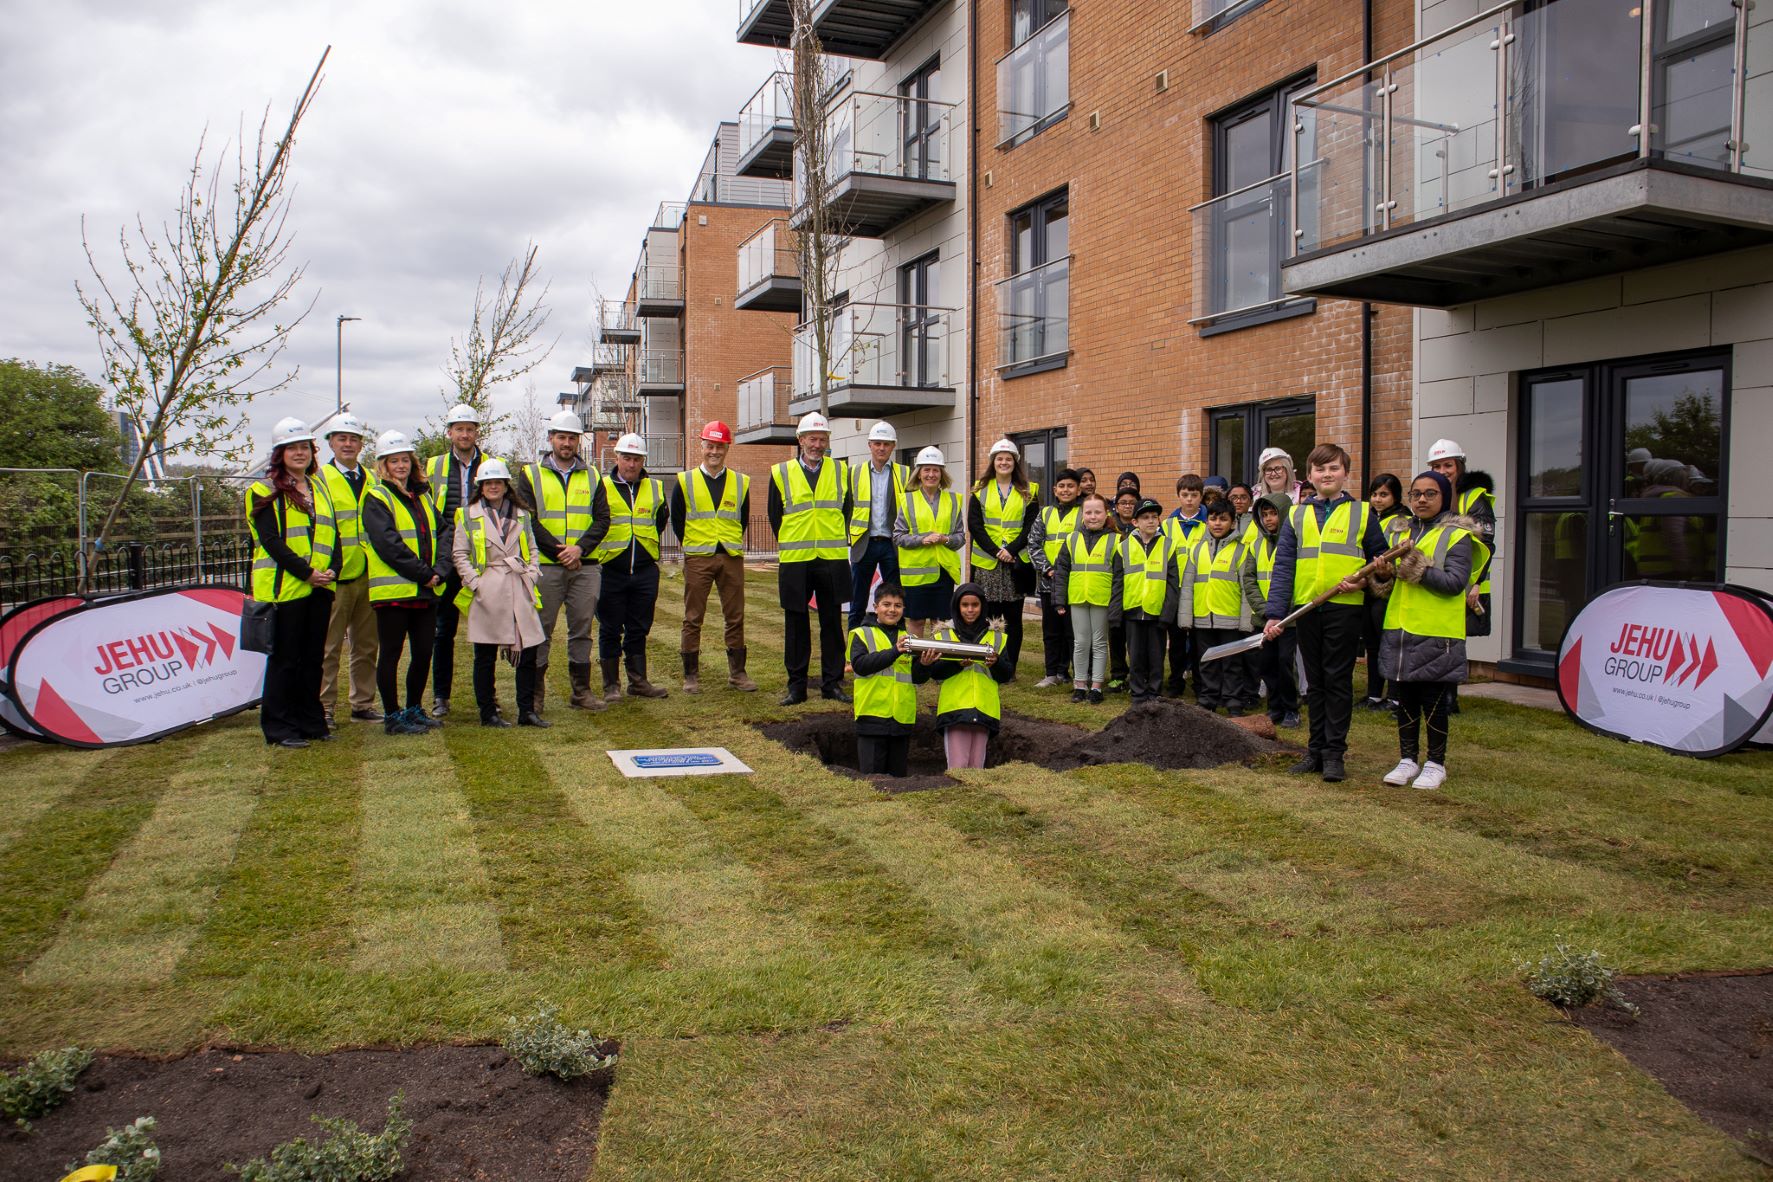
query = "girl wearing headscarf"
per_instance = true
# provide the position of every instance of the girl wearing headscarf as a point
(969, 709)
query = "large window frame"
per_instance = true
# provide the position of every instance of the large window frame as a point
(1253, 420)
(1050, 448)
(1034, 30)
(1039, 266)
(920, 334)
(921, 122)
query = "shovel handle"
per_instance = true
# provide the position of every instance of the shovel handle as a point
(1390, 556)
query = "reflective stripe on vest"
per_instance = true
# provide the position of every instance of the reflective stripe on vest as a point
(386, 583)
(1002, 522)
(812, 519)
(1468, 500)
(1143, 572)
(1326, 558)
(1219, 584)
(972, 688)
(563, 507)
(919, 566)
(1059, 524)
(347, 518)
(308, 537)
(475, 524)
(631, 522)
(1264, 547)
(862, 495)
(708, 527)
(1092, 579)
(888, 693)
(1417, 611)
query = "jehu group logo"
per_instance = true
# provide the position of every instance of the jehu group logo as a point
(140, 661)
(1646, 652)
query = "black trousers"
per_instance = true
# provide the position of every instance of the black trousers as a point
(1416, 700)
(625, 613)
(1373, 625)
(1329, 640)
(1012, 627)
(1055, 637)
(1117, 652)
(410, 627)
(1277, 674)
(1225, 682)
(486, 658)
(443, 651)
(829, 579)
(883, 755)
(1183, 655)
(1145, 658)
(290, 706)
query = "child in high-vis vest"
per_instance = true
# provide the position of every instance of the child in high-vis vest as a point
(885, 698)
(1052, 528)
(1083, 589)
(968, 710)
(1221, 614)
(1276, 659)
(1148, 579)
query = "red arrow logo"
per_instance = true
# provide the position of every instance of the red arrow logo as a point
(187, 649)
(1676, 659)
(226, 640)
(1709, 665)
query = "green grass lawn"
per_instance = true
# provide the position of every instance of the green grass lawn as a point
(1109, 973)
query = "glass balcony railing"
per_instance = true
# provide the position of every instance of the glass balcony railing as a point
(885, 135)
(1034, 81)
(659, 367)
(1240, 240)
(1033, 314)
(664, 453)
(669, 215)
(615, 316)
(770, 109)
(1519, 97)
(1208, 11)
(659, 281)
(763, 398)
(768, 254)
(896, 346)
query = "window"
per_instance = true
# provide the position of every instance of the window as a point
(1212, 15)
(1242, 433)
(1620, 478)
(922, 123)
(1044, 453)
(1034, 77)
(921, 341)
(1244, 232)
(1033, 330)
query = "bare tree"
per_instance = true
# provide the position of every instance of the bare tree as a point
(528, 426)
(193, 336)
(504, 339)
(818, 241)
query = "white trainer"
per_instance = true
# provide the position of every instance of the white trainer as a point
(1403, 773)
(1049, 682)
(1433, 776)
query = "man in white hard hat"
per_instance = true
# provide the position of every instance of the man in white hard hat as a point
(451, 476)
(710, 506)
(571, 518)
(877, 486)
(810, 510)
(346, 483)
(629, 554)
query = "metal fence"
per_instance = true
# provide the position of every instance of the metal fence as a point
(133, 566)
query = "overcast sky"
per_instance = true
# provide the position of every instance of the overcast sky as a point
(446, 134)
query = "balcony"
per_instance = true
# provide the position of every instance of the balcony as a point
(763, 407)
(616, 324)
(765, 22)
(658, 291)
(669, 215)
(866, 28)
(766, 130)
(1240, 241)
(658, 374)
(885, 359)
(1034, 82)
(889, 160)
(1033, 316)
(1524, 148)
(664, 453)
(769, 270)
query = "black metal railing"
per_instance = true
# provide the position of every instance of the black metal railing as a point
(127, 566)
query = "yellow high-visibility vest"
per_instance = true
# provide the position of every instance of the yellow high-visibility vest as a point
(385, 583)
(1418, 611)
(812, 518)
(1092, 577)
(631, 522)
(922, 565)
(563, 507)
(308, 536)
(475, 524)
(708, 527)
(862, 494)
(1003, 520)
(1144, 571)
(889, 693)
(347, 516)
(1326, 558)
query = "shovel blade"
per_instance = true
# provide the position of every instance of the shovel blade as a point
(1219, 652)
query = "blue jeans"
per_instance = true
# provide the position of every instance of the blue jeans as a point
(880, 555)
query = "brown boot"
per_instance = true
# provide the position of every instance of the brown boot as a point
(541, 690)
(735, 671)
(692, 665)
(612, 679)
(583, 698)
(638, 685)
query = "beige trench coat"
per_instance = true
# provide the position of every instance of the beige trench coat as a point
(504, 610)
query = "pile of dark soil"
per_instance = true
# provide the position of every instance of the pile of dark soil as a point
(1164, 734)
(474, 1113)
(1708, 1039)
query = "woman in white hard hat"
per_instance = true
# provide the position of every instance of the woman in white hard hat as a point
(1275, 473)
(1474, 497)
(929, 533)
(1000, 514)
(294, 564)
(405, 576)
(494, 550)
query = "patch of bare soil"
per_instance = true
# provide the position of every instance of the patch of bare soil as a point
(1708, 1039)
(1164, 734)
(474, 1114)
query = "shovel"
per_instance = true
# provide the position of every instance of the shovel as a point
(1252, 642)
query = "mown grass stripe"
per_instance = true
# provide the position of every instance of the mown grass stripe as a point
(36, 779)
(422, 897)
(140, 915)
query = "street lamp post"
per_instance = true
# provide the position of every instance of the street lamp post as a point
(341, 361)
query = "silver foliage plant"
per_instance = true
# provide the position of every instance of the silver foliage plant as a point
(544, 1045)
(1573, 979)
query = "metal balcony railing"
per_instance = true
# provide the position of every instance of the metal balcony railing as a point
(615, 316)
(1033, 314)
(1240, 240)
(1034, 81)
(763, 398)
(886, 135)
(669, 215)
(770, 109)
(664, 453)
(770, 253)
(659, 367)
(900, 346)
(1518, 97)
(659, 281)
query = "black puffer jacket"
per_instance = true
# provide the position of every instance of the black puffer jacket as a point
(1405, 657)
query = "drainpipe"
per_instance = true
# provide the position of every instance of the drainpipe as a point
(1367, 309)
(972, 410)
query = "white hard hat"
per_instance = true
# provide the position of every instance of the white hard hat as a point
(461, 412)
(1273, 453)
(881, 432)
(566, 421)
(815, 422)
(930, 455)
(1445, 449)
(492, 470)
(290, 430)
(1638, 455)
(631, 445)
(346, 424)
(392, 443)
(1005, 446)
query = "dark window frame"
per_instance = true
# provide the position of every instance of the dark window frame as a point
(916, 135)
(918, 318)
(1038, 212)
(1046, 12)
(1254, 417)
(1046, 436)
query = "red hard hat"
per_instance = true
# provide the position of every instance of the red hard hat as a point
(717, 432)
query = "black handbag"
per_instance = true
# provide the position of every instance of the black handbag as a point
(256, 627)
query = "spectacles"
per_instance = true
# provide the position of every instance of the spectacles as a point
(1422, 494)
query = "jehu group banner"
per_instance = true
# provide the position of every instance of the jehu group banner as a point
(13, 626)
(134, 668)
(1684, 668)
